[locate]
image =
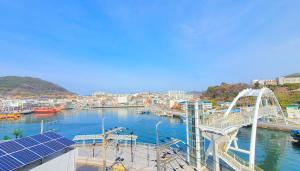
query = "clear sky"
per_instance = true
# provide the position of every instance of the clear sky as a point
(155, 45)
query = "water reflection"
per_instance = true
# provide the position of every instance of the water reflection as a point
(271, 147)
(274, 150)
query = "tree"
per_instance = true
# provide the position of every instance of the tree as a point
(256, 85)
(6, 137)
(18, 133)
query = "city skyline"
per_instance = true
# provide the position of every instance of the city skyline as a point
(148, 46)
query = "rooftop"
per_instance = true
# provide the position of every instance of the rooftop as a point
(293, 75)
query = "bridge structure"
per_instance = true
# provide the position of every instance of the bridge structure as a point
(221, 129)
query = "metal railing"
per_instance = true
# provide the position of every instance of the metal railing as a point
(237, 162)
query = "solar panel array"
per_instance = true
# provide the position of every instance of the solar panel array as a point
(21, 152)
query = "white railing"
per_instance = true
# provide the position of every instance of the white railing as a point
(236, 119)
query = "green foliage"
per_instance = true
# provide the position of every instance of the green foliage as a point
(224, 92)
(256, 85)
(227, 92)
(291, 87)
(6, 137)
(18, 133)
(286, 99)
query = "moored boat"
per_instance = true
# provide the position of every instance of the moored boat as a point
(41, 110)
(26, 112)
(70, 106)
(9, 116)
(295, 135)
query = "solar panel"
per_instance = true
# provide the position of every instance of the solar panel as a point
(52, 135)
(27, 142)
(42, 150)
(2, 153)
(26, 156)
(20, 152)
(10, 146)
(41, 138)
(55, 145)
(65, 141)
(9, 163)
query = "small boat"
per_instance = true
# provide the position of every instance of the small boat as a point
(295, 135)
(70, 106)
(26, 112)
(146, 112)
(85, 108)
(41, 110)
(9, 116)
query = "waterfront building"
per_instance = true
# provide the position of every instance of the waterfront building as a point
(195, 140)
(224, 104)
(293, 111)
(179, 95)
(265, 82)
(205, 107)
(123, 99)
(289, 79)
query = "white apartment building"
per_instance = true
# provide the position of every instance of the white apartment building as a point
(289, 79)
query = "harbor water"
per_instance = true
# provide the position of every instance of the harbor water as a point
(274, 149)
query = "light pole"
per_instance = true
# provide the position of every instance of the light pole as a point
(42, 126)
(131, 146)
(157, 150)
(103, 145)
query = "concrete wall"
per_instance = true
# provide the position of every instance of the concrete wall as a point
(65, 162)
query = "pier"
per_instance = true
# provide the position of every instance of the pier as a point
(162, 111)
(143, 157)
(96, 137)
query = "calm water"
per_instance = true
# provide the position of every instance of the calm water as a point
(274, 149)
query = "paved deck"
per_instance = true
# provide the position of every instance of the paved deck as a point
(144, 157)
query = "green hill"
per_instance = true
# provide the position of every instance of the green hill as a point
(224, 91)
(287, 94)
(29, 86)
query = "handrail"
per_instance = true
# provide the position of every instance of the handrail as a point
(239, 163)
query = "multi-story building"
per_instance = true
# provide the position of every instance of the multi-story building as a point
(289, 79)
(176, 94)
(293, 111)
(265, 82)
(195, 140)
(123, 99)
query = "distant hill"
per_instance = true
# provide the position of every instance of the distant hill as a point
(29, 86)
(224, 91)
(287, 94)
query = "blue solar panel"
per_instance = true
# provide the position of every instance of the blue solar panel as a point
(52, 135)
(2, 153)
(27, 142)
(26, 156)
(20, 152)
(42, 150)
(10, 146)
(55, 145)
(41, 138)
(9, 163)
(65, 141)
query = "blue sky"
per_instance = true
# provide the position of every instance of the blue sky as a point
(127, 46)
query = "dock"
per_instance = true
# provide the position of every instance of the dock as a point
(97, 137)
(143, 157)
(162, 111)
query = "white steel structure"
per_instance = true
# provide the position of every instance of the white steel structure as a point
(195, 141)
(222, 129)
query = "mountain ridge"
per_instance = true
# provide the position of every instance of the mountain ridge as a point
(30, 86)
